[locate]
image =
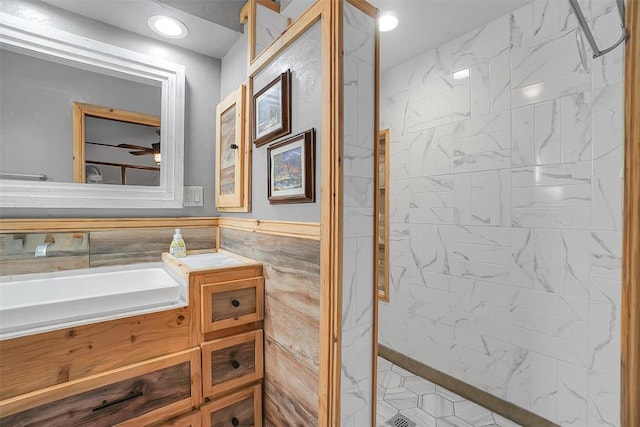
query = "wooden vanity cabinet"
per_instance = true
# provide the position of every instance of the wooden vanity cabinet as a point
(229, 302)
(148, 370)
(137, 395)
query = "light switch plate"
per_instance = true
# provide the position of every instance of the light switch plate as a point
(193, 196)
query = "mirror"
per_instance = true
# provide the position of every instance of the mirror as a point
(383, 214)
(156, 90)
(112, 146)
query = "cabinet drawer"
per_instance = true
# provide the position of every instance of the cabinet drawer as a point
(234, 303)
(136, 395)
(240, 409)
(232, 362)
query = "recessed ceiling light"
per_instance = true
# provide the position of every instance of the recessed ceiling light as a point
(387, 21)
(168, 27)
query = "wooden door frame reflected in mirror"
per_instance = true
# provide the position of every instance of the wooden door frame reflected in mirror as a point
(79, 114)
(382, 202)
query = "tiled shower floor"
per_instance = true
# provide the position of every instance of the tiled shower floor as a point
(427, 404)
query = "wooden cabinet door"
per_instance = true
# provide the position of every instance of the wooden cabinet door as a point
(229, 363)
(233, 303)
(136, 395)
(240, 409)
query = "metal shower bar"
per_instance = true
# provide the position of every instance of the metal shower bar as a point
(589, 35)
(41, 177)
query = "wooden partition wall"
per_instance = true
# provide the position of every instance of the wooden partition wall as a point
(630, 400)
(329, 14)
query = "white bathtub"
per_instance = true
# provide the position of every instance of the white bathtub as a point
(37, 303)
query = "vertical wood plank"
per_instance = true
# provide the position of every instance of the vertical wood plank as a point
(630, 396)
(331, 214)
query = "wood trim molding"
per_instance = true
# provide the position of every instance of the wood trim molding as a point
(249, 14)
(630, 375)
(331, 214)
(383, 295)
(269, 5)
(376, 303)
(295, 30)
(304, 230)
(365, 7)
(17, 225)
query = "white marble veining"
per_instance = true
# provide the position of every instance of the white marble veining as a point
(505, 212)
(358, 244)
(269, 26)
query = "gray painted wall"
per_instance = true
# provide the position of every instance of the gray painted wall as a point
(36, 129)
(202, 96)
(303, 58)
(234, 67)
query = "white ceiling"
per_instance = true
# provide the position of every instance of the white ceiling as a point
(424, 24)
(205, 37)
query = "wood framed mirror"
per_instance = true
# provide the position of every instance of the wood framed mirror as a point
(383, 215)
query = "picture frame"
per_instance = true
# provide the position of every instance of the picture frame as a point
(233, 154)
(272, 110)
(291, 170)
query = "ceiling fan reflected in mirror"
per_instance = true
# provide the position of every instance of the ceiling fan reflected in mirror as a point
(144, 151)
(154, 150)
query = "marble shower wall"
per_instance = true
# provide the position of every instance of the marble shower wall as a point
(505, 211)
(358, 216)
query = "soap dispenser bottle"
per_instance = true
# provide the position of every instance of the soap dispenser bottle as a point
(178, 247)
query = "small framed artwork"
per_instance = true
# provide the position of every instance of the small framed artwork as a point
(292, 169)
(231, 186)
(272, 110)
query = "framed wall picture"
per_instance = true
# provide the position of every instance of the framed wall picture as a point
(232, 154)
(272, 110)
(292, 169)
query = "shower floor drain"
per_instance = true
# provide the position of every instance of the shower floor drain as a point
(400, 421)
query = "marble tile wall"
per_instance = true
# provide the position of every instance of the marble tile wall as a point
(269, 26)
(505, 211)
(358, 216)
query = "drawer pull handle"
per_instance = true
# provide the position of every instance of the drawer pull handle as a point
(235, 364)
(105, 404)
(235, 422)
(235, 303)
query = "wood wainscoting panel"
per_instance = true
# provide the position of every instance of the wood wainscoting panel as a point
(67, 251)
(10, 267)
(290, 389)
(291, 268)
(37, 361)
(117, 247)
